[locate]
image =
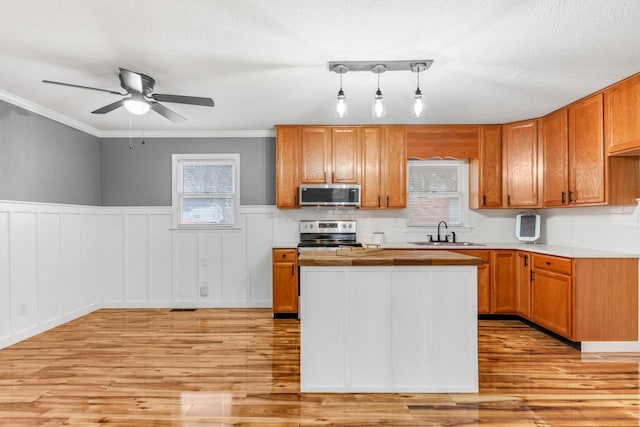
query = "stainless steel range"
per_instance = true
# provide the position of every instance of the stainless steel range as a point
(327, 234)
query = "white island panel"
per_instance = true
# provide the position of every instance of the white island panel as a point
(388, 329)
(367, 319)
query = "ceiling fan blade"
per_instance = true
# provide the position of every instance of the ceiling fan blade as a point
(132, 80)
(193, 100)
(84, 87)
(164, 111)
(109, 107)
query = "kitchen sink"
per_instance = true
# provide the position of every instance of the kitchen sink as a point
(447, 244)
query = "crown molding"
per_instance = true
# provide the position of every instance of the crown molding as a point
(222, 133)
(60, 118)
(45, 112)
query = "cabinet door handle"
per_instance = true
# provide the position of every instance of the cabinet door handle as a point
(387, 201)
(333, 177)
(530, 275)
(526, 260)
(564, 197)
(295, 200)
(508, 200)
(378, 201)
(571, 197)
(293, 270)
(484, 200)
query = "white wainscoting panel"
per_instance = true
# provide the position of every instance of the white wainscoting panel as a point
(259, 237)
(5, 279)
(136, 259)
(160, 266)
(210, 266)
(24, 277)
(91, 260)
(49, 266)
(235, 278)
(74, 277)
(185, 268)
(112, 259)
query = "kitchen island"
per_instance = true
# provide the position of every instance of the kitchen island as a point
(394, 321)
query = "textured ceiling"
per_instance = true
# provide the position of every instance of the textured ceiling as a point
(265, 62)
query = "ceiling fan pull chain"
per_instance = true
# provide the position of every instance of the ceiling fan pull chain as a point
(130, 143)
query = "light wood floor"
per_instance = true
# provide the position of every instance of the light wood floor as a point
(240, 367)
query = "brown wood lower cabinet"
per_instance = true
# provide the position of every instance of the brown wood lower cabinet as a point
(285, 282)
(484, 278)
(585, 299)
(551, 299)
(496, 275)
(523, 284)
(582, 299)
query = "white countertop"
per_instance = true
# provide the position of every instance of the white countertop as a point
(565, 251)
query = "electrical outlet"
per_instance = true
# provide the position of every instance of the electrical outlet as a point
(204, 291)
(22, 310)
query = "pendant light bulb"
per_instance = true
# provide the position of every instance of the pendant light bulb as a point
(418, 102)
(341, 103)
(377, 108)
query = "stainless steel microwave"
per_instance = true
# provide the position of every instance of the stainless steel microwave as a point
(327, 195)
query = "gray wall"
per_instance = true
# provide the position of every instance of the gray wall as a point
(142, 176)
(42, 160)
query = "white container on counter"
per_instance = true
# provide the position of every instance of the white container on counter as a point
(378, 237)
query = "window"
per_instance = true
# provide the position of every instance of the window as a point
(206, 189)
(437, 191)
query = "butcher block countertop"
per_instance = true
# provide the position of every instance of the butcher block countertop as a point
(386, 257)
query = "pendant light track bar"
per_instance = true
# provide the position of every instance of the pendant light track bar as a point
(405, 65)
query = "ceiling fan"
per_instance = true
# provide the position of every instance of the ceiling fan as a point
(139, 96)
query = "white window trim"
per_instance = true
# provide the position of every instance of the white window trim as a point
(464, 202)
(175, 189)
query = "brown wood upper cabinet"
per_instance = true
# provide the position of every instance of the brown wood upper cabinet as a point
(373, 156)
(329, 155)
(577, 171)
(442, 141)
(573, 154)
(485, 171)
(287, 166)
(622, 117)
(384, 155)
(520, 164)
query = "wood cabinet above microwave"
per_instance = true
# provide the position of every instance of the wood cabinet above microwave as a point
(329, 155)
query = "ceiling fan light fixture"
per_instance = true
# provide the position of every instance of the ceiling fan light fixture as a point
(136, 105)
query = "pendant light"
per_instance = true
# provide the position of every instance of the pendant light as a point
(341, 103)
(377, 108)
(418, 103)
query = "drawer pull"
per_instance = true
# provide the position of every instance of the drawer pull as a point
(548, 263)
